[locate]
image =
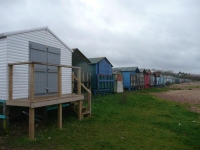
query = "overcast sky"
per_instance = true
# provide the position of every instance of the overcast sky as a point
(161, 34)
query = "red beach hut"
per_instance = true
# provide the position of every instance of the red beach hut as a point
(147, 78)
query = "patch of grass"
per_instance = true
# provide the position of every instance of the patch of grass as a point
(193, 87)
(134, 120)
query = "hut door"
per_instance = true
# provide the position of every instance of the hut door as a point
(45, 76)
(53, 57)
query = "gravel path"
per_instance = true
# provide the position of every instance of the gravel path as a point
(181, 93)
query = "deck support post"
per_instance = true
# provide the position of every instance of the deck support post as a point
(31, 98)
(60, 116)
(31, 123)
(60, 96)
(6, 119)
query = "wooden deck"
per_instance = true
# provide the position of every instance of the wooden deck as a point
(33, 101)
(44, 101)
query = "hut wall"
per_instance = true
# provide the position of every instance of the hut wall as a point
(77, 60)
(141, 79)
(118, 82)
(17, 49)
(147, 80)
(134, 80)
(127, 81)
(152, 79)
(105, 67)
(3, 68)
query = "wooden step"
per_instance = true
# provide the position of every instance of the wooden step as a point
(87, 113)
(84, 109)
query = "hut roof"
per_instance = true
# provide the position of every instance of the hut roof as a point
(97, 59)
(115, 71)
(142, 70)
(81, 54)
(127, 69)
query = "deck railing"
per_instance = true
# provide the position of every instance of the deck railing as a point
(31, 95)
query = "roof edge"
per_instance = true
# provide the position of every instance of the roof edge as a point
(32, 30)
(23, 31)
(59, 40)
(76, 49)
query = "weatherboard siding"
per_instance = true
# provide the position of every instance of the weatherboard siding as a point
(105, 67)
(3, 68)
(18, 51)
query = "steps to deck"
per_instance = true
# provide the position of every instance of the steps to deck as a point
(85, 112)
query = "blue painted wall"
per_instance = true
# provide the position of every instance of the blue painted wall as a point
(104, 67)
(127, 79)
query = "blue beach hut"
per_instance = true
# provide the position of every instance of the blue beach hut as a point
(102, 81)
(130, 77)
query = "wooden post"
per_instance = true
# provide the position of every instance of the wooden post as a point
(31, 82)
(10, 83)
(59, 82)
(6, 120)
(60, 116)
(87, 81)
(31, 123)
(73, 81)
(79, 93)
(79, 81)
(89, 102)
(60, 96)
(90, 82)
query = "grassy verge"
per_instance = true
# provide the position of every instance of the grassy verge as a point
(134, 120)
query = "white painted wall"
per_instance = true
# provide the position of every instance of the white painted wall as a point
(3, 69)
(18, 51)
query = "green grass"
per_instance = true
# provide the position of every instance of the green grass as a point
(134, 120)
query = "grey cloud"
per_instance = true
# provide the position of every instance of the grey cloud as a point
(150, 34)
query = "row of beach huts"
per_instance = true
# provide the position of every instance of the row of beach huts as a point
(37, 69)
(104, 78)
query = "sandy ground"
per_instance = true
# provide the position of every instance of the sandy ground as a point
(184, 93)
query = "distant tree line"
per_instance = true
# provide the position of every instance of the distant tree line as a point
(179, 74)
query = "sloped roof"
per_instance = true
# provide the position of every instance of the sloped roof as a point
(81, 54)
(126, 68)
(147, 70)
(97, 59)
(142, 70)
(115, 71)
(32, 30)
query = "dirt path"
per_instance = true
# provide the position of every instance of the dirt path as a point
(184, 93)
